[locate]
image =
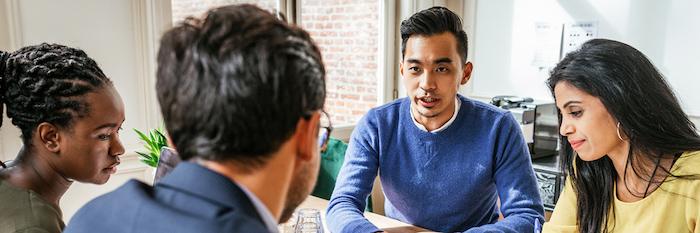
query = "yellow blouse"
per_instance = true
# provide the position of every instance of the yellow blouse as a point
(673, 207)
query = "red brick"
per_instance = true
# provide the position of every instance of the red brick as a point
(346, 32)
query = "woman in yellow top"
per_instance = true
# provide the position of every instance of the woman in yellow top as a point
(630, 152)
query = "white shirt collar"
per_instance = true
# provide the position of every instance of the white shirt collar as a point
(443, 127)
(264, 213)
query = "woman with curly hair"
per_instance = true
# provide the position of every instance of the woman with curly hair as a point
(69, 114)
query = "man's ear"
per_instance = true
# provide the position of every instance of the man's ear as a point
(169, 141)
(467, 74)
(401, 68)
(49, 137)
(307, 136)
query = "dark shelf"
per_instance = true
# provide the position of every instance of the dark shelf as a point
(550, 180)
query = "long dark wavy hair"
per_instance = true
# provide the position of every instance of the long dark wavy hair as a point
(637, 96)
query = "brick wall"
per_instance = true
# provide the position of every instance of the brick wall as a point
(347, 33)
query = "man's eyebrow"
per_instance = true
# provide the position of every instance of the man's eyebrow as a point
(443, 60)
(413, 60)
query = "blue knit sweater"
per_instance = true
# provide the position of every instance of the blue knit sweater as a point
(447, 181)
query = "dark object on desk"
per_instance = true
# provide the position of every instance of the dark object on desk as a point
(550, 180)
(546, 129)
(509, 101)
(166, 163)
(545, 140)
(543, 116)
(515, 105)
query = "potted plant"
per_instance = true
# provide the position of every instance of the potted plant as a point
(153, 142)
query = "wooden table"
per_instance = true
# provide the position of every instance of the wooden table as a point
(385, 223)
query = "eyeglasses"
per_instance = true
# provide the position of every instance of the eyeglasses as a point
(324, 131)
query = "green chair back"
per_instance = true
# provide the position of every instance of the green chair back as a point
(331, 162)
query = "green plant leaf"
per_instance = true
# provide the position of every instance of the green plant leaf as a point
(142, 136)
(153, 141)
(145, 156)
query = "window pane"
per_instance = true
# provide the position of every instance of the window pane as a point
(184, 8)
(347, 31)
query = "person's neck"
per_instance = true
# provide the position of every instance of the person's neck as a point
(32, 172)
(435, 122)
(269, 183)
(632, 186)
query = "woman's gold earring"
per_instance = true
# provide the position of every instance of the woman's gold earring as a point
(618, 132)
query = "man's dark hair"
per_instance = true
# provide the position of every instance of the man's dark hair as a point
(433, 21)
(233, 86)
(43, 83)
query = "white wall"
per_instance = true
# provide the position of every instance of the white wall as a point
(666, 31)
(104, 30)
(119, 35)
(4, 37)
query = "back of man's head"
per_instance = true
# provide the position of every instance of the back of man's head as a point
(233, 86)
(432, 21)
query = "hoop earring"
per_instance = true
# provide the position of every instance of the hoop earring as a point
(618, 132)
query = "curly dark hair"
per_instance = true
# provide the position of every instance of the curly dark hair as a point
(233, 86)
(44, 83)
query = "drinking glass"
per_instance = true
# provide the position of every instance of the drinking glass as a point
(308, 221)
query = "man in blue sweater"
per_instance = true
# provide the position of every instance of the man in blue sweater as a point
(443, 160)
